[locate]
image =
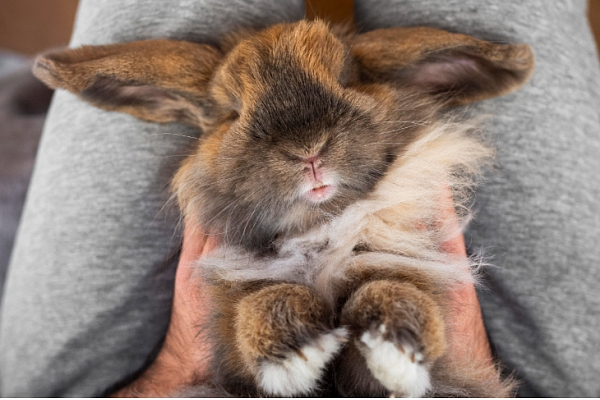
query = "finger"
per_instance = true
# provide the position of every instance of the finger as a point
(191, 303)
(456, 244)
(468, 338)
(196, 244)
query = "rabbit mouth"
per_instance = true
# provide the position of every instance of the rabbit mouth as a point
(320, 192)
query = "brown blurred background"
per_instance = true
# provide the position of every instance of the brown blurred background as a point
(30, 26)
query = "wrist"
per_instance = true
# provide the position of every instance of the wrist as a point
(469, 338)
(161, 379)
(180, 363)
(183, 358)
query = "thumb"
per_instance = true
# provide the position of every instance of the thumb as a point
(196, 244)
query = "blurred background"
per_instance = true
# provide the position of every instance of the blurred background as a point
(28, 27)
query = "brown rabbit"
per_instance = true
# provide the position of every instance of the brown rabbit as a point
(322, 161)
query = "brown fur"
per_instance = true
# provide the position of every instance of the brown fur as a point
(233, 373)
(262, 87)
(174, 89)
(277, 319)
(260, 321)
(410, 316)
(269, 100)
(491, 70)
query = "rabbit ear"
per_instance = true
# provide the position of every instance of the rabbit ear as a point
(155, 80)
(458, 69)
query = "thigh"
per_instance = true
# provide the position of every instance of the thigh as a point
(90, 284)
(537, 212)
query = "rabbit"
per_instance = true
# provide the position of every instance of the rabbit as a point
(322, 165)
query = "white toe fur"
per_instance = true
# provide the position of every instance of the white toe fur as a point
(400, 372)
(298, 375)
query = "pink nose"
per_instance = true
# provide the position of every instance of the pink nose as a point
(312, 166)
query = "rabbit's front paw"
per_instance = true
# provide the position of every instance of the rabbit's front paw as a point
(299, 372)
(285, 336)
(397, 331)
(397, 364)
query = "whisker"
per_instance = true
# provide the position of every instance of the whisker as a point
(175, 134)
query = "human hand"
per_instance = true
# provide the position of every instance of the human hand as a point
(467, 336)
(467, 339)
(183, 359)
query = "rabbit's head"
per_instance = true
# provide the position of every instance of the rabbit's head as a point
(298, 121)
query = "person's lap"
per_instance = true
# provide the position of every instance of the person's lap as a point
(537, 213)
(89, 291)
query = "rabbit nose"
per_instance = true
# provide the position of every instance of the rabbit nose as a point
(312, 166)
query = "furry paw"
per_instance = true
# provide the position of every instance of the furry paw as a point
(397, 366)
(285, 336)
(300, 372)
(397, 334)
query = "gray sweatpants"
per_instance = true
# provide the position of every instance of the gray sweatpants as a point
(90, 285)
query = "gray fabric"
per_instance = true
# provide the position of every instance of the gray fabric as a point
(539, 212)
(24, 102)
(90, 285)
(91, 278)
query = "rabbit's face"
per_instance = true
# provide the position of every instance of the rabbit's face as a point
(297, 156)
(302, 136)
(298, 121)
